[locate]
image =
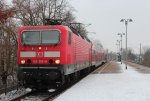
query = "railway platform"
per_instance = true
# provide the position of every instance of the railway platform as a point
(112, 82)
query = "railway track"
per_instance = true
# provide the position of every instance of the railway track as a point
(20, 97)
(43, 96)
(3, 90)
(40, 95)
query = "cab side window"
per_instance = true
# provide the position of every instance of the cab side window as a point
(69, 38)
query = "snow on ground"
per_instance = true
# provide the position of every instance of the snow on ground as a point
(126, 86)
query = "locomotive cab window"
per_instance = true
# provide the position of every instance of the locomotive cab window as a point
(69, 38)
(31, 37)
(41, 37)
(50, 37)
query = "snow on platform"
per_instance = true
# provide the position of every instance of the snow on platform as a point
(129, 85)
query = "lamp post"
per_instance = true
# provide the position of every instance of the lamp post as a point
(126, 23)
(119, 41)
(121, 45)
(117, 47)
(119, 56)
(140, 55)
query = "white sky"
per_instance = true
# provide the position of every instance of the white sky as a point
(105, 16)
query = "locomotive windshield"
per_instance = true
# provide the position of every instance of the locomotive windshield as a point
(50, 36)
(41, 37)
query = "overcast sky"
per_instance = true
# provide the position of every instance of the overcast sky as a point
(105, 16)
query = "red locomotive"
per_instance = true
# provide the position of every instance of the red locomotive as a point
(53, 55)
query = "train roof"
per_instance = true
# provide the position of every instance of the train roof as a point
(62, 27)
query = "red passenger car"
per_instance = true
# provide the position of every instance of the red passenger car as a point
(49, 55)
(98, 57)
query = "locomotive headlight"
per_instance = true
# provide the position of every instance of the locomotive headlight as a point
(22, 61)
(57, 61)
(40, 48)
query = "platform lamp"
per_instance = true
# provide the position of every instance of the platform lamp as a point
(121, 34)
(126, 24)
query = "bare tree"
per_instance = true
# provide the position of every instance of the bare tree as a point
(131, 55)
(97, 45)
(34, 12)
(69, 18)
(8, 42)
(8, 47)
(5, 12)
(146, 57)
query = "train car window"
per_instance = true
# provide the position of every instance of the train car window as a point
(50, 37)
(31, 37)
(69, 38)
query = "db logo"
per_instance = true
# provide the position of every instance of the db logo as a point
(39, 54)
